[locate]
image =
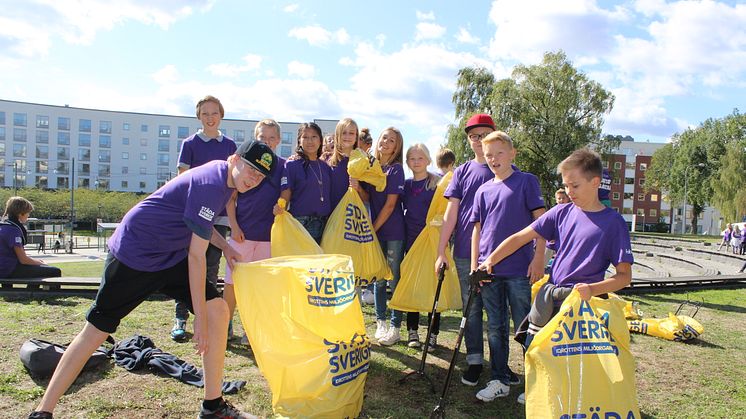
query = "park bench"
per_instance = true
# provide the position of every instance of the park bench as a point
(50, 284)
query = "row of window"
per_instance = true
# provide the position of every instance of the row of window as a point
(628, 195)
(628, 165)
(84, 154)
(64, 183)
(652, 212)
(84, 140)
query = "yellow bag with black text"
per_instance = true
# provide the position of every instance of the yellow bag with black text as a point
(418, 280)
(306, 330)
(289, 237)
(366, 168)
(580, 365)
(677, 328)
(537, 285)
(349, 231)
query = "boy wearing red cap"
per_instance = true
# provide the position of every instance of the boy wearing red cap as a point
(467, 178)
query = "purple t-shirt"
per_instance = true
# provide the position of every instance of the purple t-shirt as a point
(590, 242)
(502, 209)
(467, 178)
(416, 202)
(310, 184)
(340, 181)
(254, 207)
(393, 228)
(198, 150)
(155, 234)
(10, 238)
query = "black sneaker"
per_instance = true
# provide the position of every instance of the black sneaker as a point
(224, 411)
(514, 378)
(471, 376)
(40, 415)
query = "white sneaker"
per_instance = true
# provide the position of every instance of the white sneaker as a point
(414, 339)
(522, 398)
(493, 390)
(381, 329)
(391, 337)
(368, 297)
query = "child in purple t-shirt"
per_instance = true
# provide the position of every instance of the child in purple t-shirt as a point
(503, 206)
(160, 247)
(592, 237)
(418, 193)
(306, 182)
(206, 145)
(345, 140)
(14, 262)
(388, 223)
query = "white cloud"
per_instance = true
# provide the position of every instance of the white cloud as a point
(302, 70)
(167, 74)
(318, 36)
(425, 16)
(251, 62)
(290, 8)
(427, 30)
(464, 36)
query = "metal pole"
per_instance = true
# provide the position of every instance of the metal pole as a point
(72, 203)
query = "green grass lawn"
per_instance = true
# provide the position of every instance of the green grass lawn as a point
(674, 380)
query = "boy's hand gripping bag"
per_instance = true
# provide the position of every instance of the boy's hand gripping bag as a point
(579, 364)
(418, 282)
(288, 236)
(676, 328)
(306, 329)
(350, 232)
(366, 168)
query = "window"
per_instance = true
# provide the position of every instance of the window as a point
(84, 125)
(164, 131)
(19, 150)
(42, 182)
(626, 210)
(617, 165)
(653, 212)
(628, 195)
(2, 153)
(63, 183)
(84, 182)
(103, 184)
(643, 167)
(629, 165)
(143, 142)
(84, 154)
(287, 138)
(42, 152)
(19, 134)
(42, 166)
(104, 156)
(63, 123)
(640, 212)
(615, 209)
(164, 173)
(615, 195)
(182, 132)
(125, 170)
(2, 134)
(125, 184)
(125, 141)
(85, 169)
(142, 185)
(126, 126)
(629, 181)
(143, 171)
(104, 127)
(19, 119)
(143, 156)
(63, 138)
(104, 170)
(163, 145)
(163, 160)
(104, 141)
(63, 153)
(125, 155)
(84, 140)
(641, 182)
(606, 165)
(285, 151)
(42, 137)
(239, 135)
(2, 118)
(640, 196)
(62, 168)
(143, 128)
(654, 197)
(42, 121)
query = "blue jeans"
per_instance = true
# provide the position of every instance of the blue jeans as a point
(394, 252)
(473, 333)
(314, 224)
(518, 293)
(495, 304)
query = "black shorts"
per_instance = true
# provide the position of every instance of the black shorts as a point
(123, 289)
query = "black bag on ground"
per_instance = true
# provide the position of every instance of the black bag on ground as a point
(41, 357)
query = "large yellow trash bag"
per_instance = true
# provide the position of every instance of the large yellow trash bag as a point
(677, 328)
(418, 282)
(366, 168)
(350, 232)
(579, 364)
(306, 329)
(537, 285)
(288, 236)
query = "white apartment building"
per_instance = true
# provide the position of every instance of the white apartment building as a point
(50, 146)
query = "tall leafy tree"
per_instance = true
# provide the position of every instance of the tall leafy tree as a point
(729, 181)
(473, 91)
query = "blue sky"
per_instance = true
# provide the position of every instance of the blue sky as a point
(670, 64)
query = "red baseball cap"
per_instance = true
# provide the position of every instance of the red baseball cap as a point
(479, 120)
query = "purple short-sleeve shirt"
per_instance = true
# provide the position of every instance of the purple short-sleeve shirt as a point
(467, 178)
(309, 183)
(254, 207)
(10, 238)
(340, 181)
(155, 234)
(393, 228)
(590, 241)
(503, 208)
(416, 201)
(198, 149)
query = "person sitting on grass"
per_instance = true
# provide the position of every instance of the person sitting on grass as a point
(14, 262)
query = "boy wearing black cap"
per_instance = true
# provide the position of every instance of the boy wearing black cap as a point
(152, 251)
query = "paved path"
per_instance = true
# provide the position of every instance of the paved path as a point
(78, 255)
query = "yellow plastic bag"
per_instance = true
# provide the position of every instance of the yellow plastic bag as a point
(676, 328)
(306, 329)
(418, 282)
(288, 236)
(536, 285)
(579, 364)
(366, 168)
(350, 232)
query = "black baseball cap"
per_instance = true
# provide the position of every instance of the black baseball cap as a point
(258, 155)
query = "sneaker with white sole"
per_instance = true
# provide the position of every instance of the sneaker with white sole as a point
(414, 339)
(224, 411)
(178, 333)
(433, 343)
(381, 329)
(521, 398)
(493, 390)
(391, 337)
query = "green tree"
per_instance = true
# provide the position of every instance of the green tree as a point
(472, 95)
(729, 182)
(550, 110)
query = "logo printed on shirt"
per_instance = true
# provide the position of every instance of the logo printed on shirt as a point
(206, 213)
(18, 240)
(628, 251)
(283, 180)
(401, 187)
